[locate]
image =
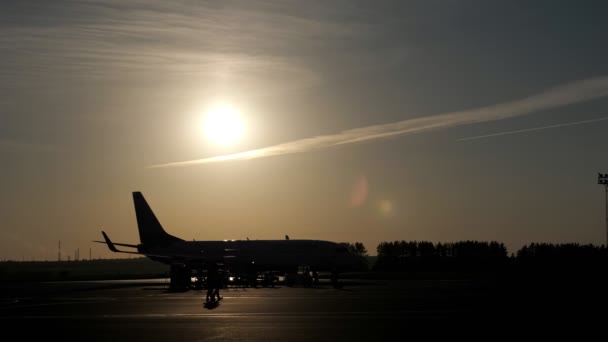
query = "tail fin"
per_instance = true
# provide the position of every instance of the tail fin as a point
(151, 233)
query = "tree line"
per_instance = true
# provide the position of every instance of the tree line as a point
(472, 255)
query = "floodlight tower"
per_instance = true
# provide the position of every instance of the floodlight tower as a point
(603, 180)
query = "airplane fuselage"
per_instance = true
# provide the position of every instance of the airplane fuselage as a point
(263, 254)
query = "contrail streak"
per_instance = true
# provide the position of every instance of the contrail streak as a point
(571, 93)
(534, 129)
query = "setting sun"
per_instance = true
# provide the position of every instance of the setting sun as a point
(223, 125)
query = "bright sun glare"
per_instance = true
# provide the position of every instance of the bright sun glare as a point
(223, 125)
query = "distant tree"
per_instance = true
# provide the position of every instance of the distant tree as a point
(569, 251)
(360, 249)
(357, 248)
(426, 249)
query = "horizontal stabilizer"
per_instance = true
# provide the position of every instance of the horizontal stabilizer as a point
(117, 244)
(113, 248)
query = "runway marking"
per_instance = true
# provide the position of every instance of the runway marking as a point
(16, 303)
(312, 314)
(53, 304)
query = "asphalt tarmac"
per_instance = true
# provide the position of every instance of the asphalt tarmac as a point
(361, 311)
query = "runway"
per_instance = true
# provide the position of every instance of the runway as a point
(146, 310)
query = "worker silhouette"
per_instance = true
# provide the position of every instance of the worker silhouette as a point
(315, 276)
(218, 285)
(213, 283)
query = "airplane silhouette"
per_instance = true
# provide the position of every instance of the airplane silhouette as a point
(237, 255)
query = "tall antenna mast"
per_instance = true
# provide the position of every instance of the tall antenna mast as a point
(603, 180)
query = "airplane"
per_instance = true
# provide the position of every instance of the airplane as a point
(284, 256)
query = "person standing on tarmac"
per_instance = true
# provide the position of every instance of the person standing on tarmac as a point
(216, 289)
(315, 276)
(212, 282)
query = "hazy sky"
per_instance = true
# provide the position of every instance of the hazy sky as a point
(357, 118)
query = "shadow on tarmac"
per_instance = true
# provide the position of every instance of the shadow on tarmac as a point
(211, 305)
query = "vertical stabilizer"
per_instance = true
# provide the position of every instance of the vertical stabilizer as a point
(151, 233)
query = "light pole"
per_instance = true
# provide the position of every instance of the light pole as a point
(603, 180)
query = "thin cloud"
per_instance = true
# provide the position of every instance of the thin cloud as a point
(534, 129)
(563, 95)
(250, 44)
